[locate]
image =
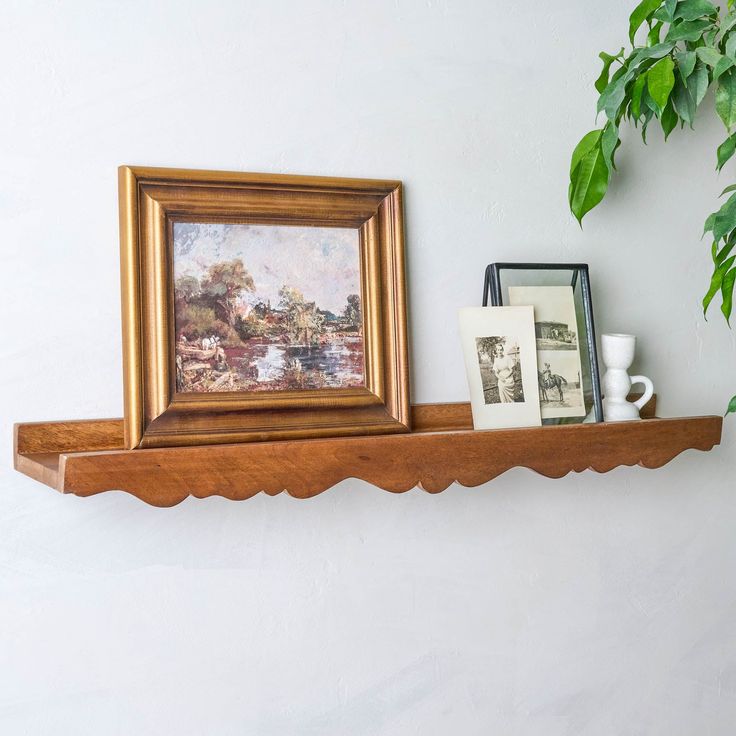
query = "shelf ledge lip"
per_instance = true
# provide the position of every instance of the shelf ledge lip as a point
(84, 457)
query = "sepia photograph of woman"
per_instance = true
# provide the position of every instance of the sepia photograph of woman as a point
(503, 367)
(500, 368)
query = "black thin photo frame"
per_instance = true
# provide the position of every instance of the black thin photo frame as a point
(580, 282)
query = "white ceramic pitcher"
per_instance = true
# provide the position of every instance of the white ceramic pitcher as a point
(618, 355)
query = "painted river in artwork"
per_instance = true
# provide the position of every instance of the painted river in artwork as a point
(271, 365)
(338, 361)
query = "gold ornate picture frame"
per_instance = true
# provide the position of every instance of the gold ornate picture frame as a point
(193, 374)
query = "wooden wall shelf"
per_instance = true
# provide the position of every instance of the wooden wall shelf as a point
(87, 457)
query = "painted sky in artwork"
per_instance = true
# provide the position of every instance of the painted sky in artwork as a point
(323, 263)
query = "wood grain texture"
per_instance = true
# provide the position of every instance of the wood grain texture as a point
(70, 436)
(457, 416)
(429, 459)
(89, 435)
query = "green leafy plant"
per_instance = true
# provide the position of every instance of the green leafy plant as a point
(689, 46)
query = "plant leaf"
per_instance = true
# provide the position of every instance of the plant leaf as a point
(709, 55)
(689, 30)
(692, 9)
(731, 407)
(652, 52)
(731, 188)
(666, 13)
(649, 103)
(726, 150)
(728, 22)
(727, 294)
(636, 91)
(642, 12)
(726, 98)
(724, 252)
(602, 82)
(725, 219)
(588, 182)
(648, 115)
(715, 285)
(661, 80)
(708, 226)
(654, 34)
(609, 143)
(668, 119)
(587, 143)
(722, 66)
(686, 63)
(613, 95)
(623, 69)
(683, 100)
(715, 282)
(698, 83)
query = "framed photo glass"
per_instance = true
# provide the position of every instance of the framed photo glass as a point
(568, 377)
(261, 307)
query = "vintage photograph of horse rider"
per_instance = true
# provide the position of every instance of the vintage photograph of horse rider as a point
(558, 351)
(559, 383)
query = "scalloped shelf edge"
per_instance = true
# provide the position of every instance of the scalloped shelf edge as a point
(86, 457)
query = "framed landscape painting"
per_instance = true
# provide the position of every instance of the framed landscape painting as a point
(261, 307)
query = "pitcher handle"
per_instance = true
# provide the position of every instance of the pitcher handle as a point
(648, 390)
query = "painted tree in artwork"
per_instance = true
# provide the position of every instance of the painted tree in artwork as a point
(223, 284)
(186, 288)
(352, 312)
(290, 298)
(302, 319)
(195, 316)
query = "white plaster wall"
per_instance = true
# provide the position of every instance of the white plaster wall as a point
(589, 605)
